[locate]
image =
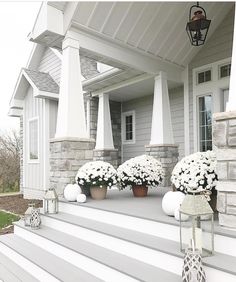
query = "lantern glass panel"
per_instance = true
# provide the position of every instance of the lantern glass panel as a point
(197, 31)
(193, 229)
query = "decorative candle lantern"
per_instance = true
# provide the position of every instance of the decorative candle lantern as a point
(50, 201)
(198, 25)
(195, 205)
(35, 220)
(27, 215)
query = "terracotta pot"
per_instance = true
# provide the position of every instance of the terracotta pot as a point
(140, 190)
(98, 193)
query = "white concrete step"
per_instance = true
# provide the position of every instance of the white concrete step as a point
(11, 272)
(131, 267)
(225, 241)
(108, 240)
(43, 265)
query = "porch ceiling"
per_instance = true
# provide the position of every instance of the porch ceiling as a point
(154, 28)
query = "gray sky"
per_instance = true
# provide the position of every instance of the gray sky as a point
(16, 21)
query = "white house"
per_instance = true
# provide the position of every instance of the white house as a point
(113, 80)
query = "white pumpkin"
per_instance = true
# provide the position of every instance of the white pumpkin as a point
(184, 217)
(81, 198)
(171, 201)
(71, 192)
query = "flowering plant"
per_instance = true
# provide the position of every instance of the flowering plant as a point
(195, 172)
(141, 170)
(96, 173)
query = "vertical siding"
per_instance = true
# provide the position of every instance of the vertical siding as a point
(51, 64)
(218, 47)
(33, 172)
(143, 118)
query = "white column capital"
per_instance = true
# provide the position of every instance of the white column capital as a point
(70, 42)
(162, 75)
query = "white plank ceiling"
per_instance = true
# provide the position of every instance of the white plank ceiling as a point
(156, 28)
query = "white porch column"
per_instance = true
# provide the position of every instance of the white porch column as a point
(231, 105)
(71, 115)
(161, 131)
(104, 140)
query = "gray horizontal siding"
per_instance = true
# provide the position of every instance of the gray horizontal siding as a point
(51, 64)
(218, 47)
(143, 118)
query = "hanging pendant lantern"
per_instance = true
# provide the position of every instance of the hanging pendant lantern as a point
(198, 25)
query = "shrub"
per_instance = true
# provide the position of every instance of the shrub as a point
(141, 170)
(195, 172)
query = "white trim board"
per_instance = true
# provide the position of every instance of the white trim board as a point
(213, 87)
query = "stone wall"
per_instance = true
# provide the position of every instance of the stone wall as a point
(110, 156)
(167, 155)
(224, 139)
(66, 157)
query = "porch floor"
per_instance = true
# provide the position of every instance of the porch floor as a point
(149, 208)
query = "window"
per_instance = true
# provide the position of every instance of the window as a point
(128, 127)
(33, 139)
(205, 123)
(225, 70)
(204, 76)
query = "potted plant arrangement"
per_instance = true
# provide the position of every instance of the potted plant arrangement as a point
(139, 173)
(97, 175)
(198, 172)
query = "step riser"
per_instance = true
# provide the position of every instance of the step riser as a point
(143, 254)
(27, 265)
(97, 269)
(223, 244)
(154, 228)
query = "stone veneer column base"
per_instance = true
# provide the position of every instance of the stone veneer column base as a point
(224, 138)
(167, 155)
(67, 155)
(110, 156)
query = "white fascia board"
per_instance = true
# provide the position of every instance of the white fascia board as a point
(45, 94)
(16, 104)
(49, 19)
(69, 13)
(124, 83)
(15, 112)
(123, 54)
(100, 77)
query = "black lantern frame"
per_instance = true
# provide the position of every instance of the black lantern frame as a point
(198, 26)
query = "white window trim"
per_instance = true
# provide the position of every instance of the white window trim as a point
(222, 65)
(213, 87)
(200, 71)
(198, 122)
(30, 161)
(123, 115)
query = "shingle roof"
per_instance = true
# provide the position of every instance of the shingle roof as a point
(43, 81)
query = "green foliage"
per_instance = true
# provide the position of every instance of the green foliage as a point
(6, 219)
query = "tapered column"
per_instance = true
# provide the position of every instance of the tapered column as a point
(161, 131)
(162, 145)
(104, 150)
(231, 105)
(71, 114)
(104, 140)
